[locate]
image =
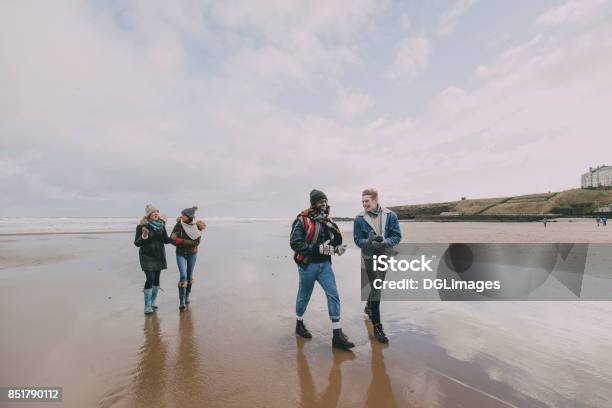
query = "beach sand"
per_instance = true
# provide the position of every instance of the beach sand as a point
(71, 313)
(560, 230)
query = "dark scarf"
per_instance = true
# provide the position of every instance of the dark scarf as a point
(321, 216)
(155, 225)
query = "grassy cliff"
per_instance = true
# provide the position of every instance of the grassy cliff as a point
(569, 202)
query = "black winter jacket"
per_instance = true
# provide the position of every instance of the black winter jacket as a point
(311, 251)
(152, 252)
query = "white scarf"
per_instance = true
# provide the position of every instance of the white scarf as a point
(375, 218)
(191, 230)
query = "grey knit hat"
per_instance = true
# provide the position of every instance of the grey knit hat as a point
(190, 212)
(316, 195)
(149, 209)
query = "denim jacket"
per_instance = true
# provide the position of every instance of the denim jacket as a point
(362, 229)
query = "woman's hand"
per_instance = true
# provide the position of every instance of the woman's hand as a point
(175, 239)
(201, 225)
(145, 233)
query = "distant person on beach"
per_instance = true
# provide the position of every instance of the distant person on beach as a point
(186, 236)
(597, 220)
(151, 236)
(604, 221)
(545, 221)
(314, 239)
(376, 231)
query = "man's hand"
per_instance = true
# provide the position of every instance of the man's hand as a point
(325, 248)
(339, 250)
(377, 246)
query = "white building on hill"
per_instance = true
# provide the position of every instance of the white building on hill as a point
(600, 176)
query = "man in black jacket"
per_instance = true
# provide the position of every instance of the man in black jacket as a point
(315, 238)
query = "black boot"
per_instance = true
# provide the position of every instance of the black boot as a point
(301, 330)
(187, 292)
(182, 291)
(367, 310)
(379, 333)
(340, 340)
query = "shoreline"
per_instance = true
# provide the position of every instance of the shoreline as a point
(509, 219)
(19, 234)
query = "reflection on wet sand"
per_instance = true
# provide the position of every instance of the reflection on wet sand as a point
(470, 354)
(151, 371)
(158, 380)
(380, 392)
(330, 396)
(188, 378)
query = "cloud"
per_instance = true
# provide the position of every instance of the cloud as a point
(131, 103)
(532, 112)
(404, 22)
(295, 40)
(352, 103)
(105, 108)
(412, 54)
(452, 15)
(411, 57)
(570, 12)
(509, 60)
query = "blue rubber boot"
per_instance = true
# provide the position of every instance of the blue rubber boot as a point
(147, 301)
(154, 297)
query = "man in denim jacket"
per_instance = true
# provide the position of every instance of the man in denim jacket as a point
(376, 231)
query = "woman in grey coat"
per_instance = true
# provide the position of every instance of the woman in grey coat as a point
(151, 236)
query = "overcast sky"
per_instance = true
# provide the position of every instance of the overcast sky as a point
(242, 107)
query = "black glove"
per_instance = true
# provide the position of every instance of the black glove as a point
(379, 238)
(377, 246)
(371, 237)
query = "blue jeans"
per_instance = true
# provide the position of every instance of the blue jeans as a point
(186, 263)
(320, 272)
(152, 279)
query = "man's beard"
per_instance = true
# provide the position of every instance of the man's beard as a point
(322, 211)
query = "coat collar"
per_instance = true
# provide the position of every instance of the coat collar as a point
(384, 214)
(145, 220)
(385, 210)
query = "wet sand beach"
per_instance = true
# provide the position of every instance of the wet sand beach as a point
(71, 313)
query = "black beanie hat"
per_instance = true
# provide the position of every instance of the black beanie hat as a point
(189, 212)
(316, 195)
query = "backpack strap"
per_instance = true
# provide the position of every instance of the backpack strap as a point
(313, 229)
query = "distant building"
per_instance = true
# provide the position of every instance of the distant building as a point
(600, 176)
(605, 209)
